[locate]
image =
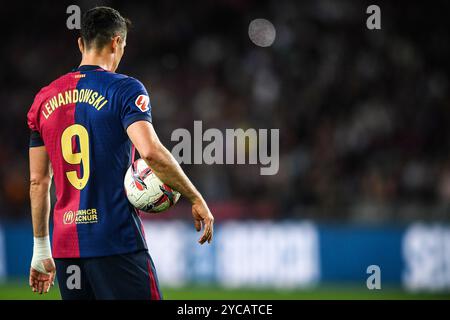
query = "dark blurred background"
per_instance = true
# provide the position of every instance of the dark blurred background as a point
(363, 114)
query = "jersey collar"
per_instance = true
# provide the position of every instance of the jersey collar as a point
(87, 67)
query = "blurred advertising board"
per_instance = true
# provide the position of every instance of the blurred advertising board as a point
(242, 254)
(426, 252)
(289, 254)
(2, 255)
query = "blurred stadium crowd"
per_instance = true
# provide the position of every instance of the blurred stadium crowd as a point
(363, 115)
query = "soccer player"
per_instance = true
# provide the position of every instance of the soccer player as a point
(84, 127)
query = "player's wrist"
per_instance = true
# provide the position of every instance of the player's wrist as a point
(41, 251)
(197, 199)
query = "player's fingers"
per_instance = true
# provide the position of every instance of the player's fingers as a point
(204, 236)
(210, 223)
(51, 280)
(47, 285)
(198, 225)
(40, 287)
(202, 239)
(211, 233)
(206, 232)
(33, 277)
(33, 282)
(43, 280)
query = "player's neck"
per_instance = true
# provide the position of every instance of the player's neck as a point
(93, 59)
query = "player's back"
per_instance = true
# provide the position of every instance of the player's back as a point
(81, 118)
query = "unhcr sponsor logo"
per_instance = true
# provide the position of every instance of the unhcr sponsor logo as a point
(80, 216)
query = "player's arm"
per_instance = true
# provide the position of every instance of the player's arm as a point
(146, 141)
(42, 271)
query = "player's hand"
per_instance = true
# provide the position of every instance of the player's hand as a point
(41, 282)
(202, 216)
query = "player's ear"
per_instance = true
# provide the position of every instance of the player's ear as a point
(80, 44)
(116, 42)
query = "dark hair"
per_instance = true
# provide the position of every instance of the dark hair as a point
(100, 24)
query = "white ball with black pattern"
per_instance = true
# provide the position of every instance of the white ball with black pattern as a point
(145, 191)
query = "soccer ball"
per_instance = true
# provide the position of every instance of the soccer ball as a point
(146, 191)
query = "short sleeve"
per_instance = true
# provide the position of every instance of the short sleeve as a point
(32, 115)
(135, 102)
(36, 139)
(33, 123)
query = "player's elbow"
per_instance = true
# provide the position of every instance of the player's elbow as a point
(40, 182)
(152, 153)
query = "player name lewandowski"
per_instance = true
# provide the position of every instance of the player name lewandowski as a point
(91, 97)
